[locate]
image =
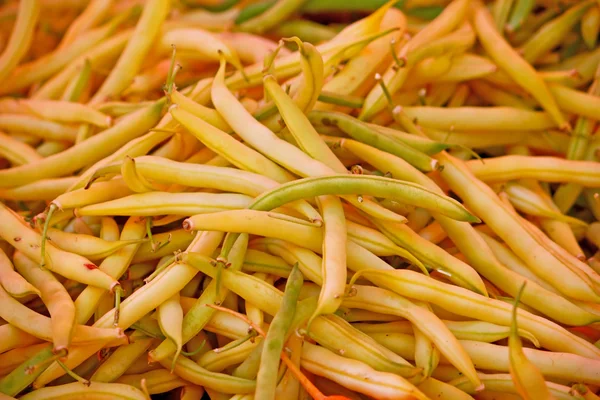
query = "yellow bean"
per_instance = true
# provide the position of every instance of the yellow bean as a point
(572, 282)
(66, 111)
(17, 152)
(157, 381)
(356, 375)
(510, 61)
(12, 282)
(146, 30)
(20, 38)
(451, 17)
(91, 16)
(78, 390)
(479, 118)
(69, 265)
(417, 286)
(55, 297)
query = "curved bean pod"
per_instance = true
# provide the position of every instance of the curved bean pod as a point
(231, 149)
(376, 186)
(356, 375)
(528, 244)
(20, 37)
(192, 372)
(198, 316)
(40, 326)
(138, 304)
(395, 78)
(66, 111)
(553, 32)
(528, 380)
(156, 381)
(55, 297)
(479, 118)
(510, 61)
(15, 231)
(17, 152)
(381, 300)
(12, 282)
(417, 286)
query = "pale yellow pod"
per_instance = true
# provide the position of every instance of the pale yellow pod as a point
(356, 375)
(55, 297)
(203, 44)
(17, 152)
(12, 282)
(120, 360)
(509, 60)
(91, 247)
(140, 303)
(20, 38)
(170, 320)
(68, 112)
(95, 11)
(76, 390)
(138, 46)
(37, 127)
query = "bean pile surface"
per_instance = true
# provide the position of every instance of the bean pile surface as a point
(299, 199)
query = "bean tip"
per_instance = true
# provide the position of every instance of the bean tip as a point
(188, 225)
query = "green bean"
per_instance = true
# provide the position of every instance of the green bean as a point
(192, 372)
(300, 127)
(356, 375)
(23, 375)
(308, 262)
(268, 298)
(405, 192)
(341, 100)
(280, 151)
(422, 144)
(271, 17)
(363, 133)
(257, 261)
(520, 12)
(138, 304)
(501, 11)
(463, 330)
(566, 194)
(528, 201)
(248, 369)
(266, 380)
